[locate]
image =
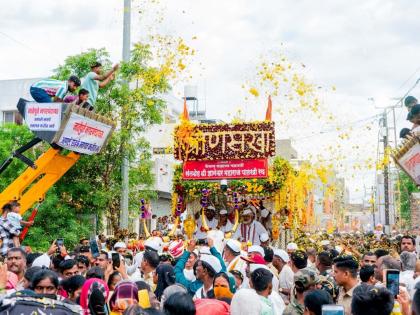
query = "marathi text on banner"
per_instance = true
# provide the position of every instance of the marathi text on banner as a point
(228, 142)
(43, 116)
(230, 169)
(84, 135)
(410, 162)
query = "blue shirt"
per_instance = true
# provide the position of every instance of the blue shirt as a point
(92, 86)
(193, 286)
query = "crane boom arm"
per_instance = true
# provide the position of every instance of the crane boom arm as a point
(30, 187)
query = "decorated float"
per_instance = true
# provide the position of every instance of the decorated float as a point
(231, 166)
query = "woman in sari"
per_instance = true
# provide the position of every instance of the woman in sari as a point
(94, 296)
(126, 294)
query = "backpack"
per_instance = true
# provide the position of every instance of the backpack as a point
(29, 305)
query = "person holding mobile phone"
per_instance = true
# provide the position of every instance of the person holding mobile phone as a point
(385, 262)
(345, 275)
(408, 264)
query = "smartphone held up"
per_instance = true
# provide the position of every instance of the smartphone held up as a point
(392, 281)
(332, 309)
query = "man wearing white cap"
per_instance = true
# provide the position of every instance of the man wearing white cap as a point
(291, 248)
(154, 244)
(256, 249)
(207, 267)
(325, 244)
(201, 233)
(265, 240)
(249, 230)
(120, 247)
(224, 224)
(232, 257)
(280, 262)
(266, 218)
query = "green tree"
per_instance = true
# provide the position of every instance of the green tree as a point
(406, 188)
(12, 138)
(93, 186)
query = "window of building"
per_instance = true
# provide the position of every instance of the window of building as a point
(12, 116)
(8, 117)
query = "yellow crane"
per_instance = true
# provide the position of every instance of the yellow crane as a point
(70, 130)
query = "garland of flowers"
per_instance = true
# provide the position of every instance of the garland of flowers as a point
(290, 190)
(143, 209)
(277, 175)
(236, 200)
(204, 198)
(190, 143)
(179, 206)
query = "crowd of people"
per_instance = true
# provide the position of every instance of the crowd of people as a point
(214, 276)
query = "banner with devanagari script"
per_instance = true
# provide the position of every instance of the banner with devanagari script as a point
(209, 142)
(43, 116)
(410, 162)
(230, 169)
(84, 135)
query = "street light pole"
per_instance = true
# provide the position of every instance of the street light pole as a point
(125, 162)
(386, 172)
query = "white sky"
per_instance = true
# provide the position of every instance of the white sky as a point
(366, 48)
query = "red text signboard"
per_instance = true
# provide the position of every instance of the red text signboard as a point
(256, 168)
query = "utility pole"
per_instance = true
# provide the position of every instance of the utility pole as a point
(386, 172)
(125, 163)
(373, 206)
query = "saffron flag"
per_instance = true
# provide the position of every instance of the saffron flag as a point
(268, 114)
(185, 114)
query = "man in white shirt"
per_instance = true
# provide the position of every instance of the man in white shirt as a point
(291, 248)
(208, 266)
(265, 240)
(232, 257)
(249, 230)
(280, 262)
(224, 224)
(201, 233)
(148, 266)
(408, 264)
(255, 262)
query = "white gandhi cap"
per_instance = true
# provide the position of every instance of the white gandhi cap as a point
(282, 254)
(256, 249)
(234, 245)
(264, 237)
(212, 261)
(247, 212)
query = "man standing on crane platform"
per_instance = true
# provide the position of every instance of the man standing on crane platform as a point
(95, 80)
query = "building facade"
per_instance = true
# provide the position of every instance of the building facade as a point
(10, 92)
